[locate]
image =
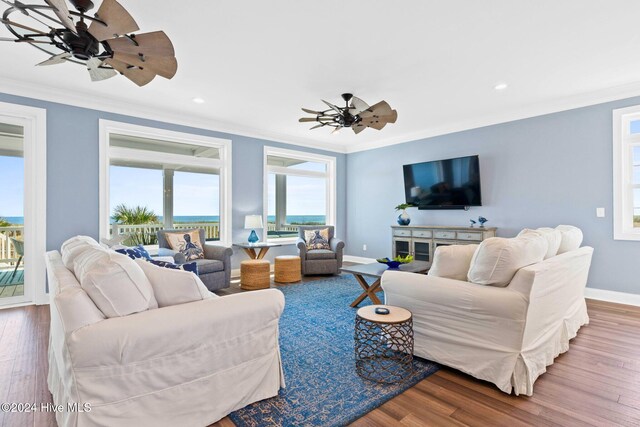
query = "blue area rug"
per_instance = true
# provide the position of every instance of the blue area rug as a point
(316, 339)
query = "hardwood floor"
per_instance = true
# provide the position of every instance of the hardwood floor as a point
(597, 382)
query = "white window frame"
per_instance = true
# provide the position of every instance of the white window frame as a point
(223, 164)
(623, 143)
(330, 175)
(34, 123)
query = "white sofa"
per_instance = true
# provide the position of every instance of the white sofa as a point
(506, 335)
(186, 364)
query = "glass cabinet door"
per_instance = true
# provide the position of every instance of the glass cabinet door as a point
(401, 247)
(422, 250)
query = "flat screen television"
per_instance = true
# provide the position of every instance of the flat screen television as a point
(443, 184)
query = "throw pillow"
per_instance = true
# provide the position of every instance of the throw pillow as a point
(114, 282)
(452, 262)
(497, 259)
(187, 243)
(189, 266)
(172, 287)
(73, 247)
(317, 239)
(571, 238)
(552, 236)
(135, 252)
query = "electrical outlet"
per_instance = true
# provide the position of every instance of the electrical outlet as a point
(364, 247)
(600, 212)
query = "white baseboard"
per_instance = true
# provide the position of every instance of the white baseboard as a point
(612, 296)
(358, 259)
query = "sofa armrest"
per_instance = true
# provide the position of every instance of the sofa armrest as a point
(465, 299)
(226, 323)
(220, 253)
(302, 248)
(337, 246)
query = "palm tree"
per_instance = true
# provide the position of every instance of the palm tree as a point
(4, 223)
(137, 215)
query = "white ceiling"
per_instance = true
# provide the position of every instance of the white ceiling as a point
(257, 62)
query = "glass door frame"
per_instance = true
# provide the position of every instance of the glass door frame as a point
(34, 124)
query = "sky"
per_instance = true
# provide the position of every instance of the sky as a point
(12, 189)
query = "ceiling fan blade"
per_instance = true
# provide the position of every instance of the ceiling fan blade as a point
(357, 128)
(336, 130)
(165, 66)
(307, 119)
(306, 110)
(357, 105)
(137, 75)
(333, 107)
(62, 12)
(56, 59)
(7, 39)
(317, 126)
(152, 44)
(97, 72)
(118, 21)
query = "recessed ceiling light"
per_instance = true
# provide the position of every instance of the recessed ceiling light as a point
(198, 100)
(501, 86)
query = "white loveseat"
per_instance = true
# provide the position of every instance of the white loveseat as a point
(185, 364)
(506, 335)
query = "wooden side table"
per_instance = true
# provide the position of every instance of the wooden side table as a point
(384, 344)
(255, 274)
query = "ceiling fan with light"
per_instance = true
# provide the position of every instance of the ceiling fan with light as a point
(356, 114)
(104, 42)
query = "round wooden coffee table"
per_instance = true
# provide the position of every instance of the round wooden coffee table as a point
(384, 344)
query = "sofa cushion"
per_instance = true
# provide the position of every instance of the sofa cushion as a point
(315, 254)
(571, 238)
(206, 266)
(453, 261)
(187, 243)
(317, 239)
(114, 282)
(552, 236)
(74, 246)
(172, 287)
(497, 259)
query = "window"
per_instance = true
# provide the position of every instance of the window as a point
(300, 189)
(626, 173)
(155, 179)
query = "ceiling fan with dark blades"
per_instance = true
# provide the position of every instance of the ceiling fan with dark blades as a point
(356, 114)
(106, 46)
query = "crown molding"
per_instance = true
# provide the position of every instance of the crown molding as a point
(528, 111)
(165, 115)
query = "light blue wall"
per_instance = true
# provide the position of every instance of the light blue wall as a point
(544, 171)
(72, 172)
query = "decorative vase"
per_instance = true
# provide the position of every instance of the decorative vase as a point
(403, 218)
(253, 237)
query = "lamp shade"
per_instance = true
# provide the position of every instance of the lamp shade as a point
(253, 221)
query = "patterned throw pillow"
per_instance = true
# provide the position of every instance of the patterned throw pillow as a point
(317, 239)
(189, 266)
(187, 243)
(135, 252)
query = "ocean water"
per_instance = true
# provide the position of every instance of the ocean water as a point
(291, 219)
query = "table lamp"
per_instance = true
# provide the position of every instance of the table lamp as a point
(251, 222)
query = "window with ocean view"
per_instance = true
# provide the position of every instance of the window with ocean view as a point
(159, 184)
(300, 190)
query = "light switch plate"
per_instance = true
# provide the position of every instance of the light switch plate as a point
(600, 212)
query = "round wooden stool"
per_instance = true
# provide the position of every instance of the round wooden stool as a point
(255, 274)
(287, 269)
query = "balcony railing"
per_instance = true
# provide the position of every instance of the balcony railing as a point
(8, 253)
(147, 233)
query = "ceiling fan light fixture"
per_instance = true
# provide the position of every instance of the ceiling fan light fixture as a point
(104, 43)
(356, 114)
